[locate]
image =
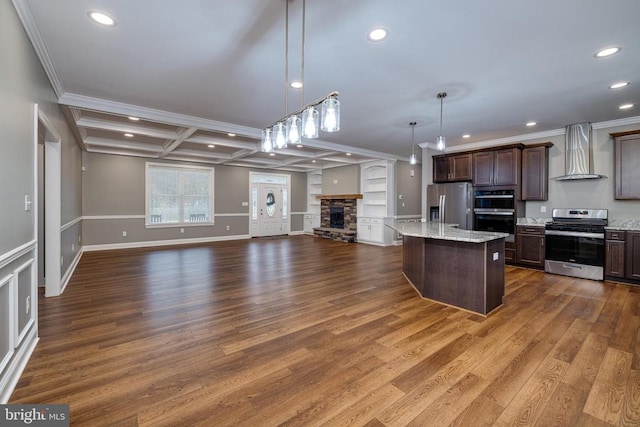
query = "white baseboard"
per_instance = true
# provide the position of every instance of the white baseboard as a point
(16, 367)
(152, 243)
(67, 275)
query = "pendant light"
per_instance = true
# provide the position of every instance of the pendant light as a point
(324, 113)
(412, 158)
(441, 141)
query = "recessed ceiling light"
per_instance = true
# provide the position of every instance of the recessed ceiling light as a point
(607, 52)
(231, 134)
(299, 145)
(296, 84)
(348, 154)
(377, 34)
(272, 154)
(211, 146)
(626, 106)
(102, 19)
(619, 85)
(128, 135)
(135, 119)
(313, 161)
(466, 135)
(530, 124)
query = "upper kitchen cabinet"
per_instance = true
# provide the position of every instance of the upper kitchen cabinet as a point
(497, 167)
(627, 159)
(452, 167)
(535, 171)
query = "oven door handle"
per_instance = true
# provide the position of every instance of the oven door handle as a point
(507, 212)
(574, 234)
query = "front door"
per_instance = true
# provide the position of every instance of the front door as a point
(269, 205)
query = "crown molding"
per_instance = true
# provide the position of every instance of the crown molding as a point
(615, 123)
(39, 45)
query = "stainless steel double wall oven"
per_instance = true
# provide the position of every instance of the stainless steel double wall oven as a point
(495, 210)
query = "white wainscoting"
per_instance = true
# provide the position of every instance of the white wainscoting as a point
(18, 314)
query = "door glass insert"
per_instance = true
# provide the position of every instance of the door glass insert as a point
(271, 203)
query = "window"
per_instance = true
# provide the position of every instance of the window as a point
(178, 195)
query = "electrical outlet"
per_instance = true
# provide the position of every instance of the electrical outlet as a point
(411, 173)
(79, 238)
(245, 203)
(228, 227)
(62, 261)
(73, 247)
(28, 305)
(182, 230)
(543, 209)
(335, 181)
(496, 256)
(124, 234)
(27, 202)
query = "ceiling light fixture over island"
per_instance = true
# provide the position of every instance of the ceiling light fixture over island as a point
(449, 265)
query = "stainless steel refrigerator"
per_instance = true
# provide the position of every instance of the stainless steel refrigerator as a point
(451, 203)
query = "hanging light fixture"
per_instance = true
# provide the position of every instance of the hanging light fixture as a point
(306, 121)
(441, 141)
(412, 159)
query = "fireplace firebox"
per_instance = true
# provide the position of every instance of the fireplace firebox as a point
(336, 217)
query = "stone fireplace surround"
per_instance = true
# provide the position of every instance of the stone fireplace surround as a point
(350, 205)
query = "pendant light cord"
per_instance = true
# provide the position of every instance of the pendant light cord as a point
(286, 58)
(441, 101)
(302, 62)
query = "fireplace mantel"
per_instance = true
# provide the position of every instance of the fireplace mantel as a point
(338, 196)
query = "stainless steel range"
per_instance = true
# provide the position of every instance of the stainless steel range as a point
(574, 243)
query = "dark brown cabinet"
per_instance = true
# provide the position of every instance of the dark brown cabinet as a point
(535, 171)
(614, 254)
(530, 245)
(497, 167)
(627, 159)
(452, 167)
(510, 252)
(632, 255)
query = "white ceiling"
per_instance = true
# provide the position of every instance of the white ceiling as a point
(194, 70)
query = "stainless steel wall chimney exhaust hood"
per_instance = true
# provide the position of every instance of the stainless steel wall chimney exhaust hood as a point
(578, 162)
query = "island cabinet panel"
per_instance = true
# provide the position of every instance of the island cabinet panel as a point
(632, 252)
(627, 159)
(461, 274)
(535, 172)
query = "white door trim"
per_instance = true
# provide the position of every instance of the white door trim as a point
(52, 201)
(253, 224)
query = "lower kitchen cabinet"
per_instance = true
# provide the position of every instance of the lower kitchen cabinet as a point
(530, 246)
(614, 254)
(370, 230)
(510, 252)
(632, 254)
(622, 255)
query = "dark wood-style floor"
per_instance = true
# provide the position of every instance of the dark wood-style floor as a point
(305, 331)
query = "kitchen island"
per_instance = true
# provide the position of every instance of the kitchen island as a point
(461, 268)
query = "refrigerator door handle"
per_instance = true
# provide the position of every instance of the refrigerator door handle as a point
(443, 202)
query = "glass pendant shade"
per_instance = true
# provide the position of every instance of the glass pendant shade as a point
(441, 143)
(330, 115)
(412, 159)
(310, 122)
(267, 143)
(294, 130)
(279, 135)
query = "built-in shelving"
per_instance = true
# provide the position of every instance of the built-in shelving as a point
(377, 205)
(314, 191)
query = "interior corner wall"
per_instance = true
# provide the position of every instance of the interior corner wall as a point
(408, 185)
(114, 202)
(25, 84)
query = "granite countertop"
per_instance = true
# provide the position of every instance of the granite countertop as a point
(533, 221)
(440, 231)
(624, 224)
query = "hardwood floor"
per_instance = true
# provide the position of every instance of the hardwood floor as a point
(306, 331)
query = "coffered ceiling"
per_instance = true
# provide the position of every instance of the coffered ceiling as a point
(194, 71)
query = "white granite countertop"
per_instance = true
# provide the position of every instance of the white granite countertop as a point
(440, 231)
(624, 224)
(533, 221)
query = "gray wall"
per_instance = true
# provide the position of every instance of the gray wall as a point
(341, 180)
(410, 188)
(114, 185)
(23, 83)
